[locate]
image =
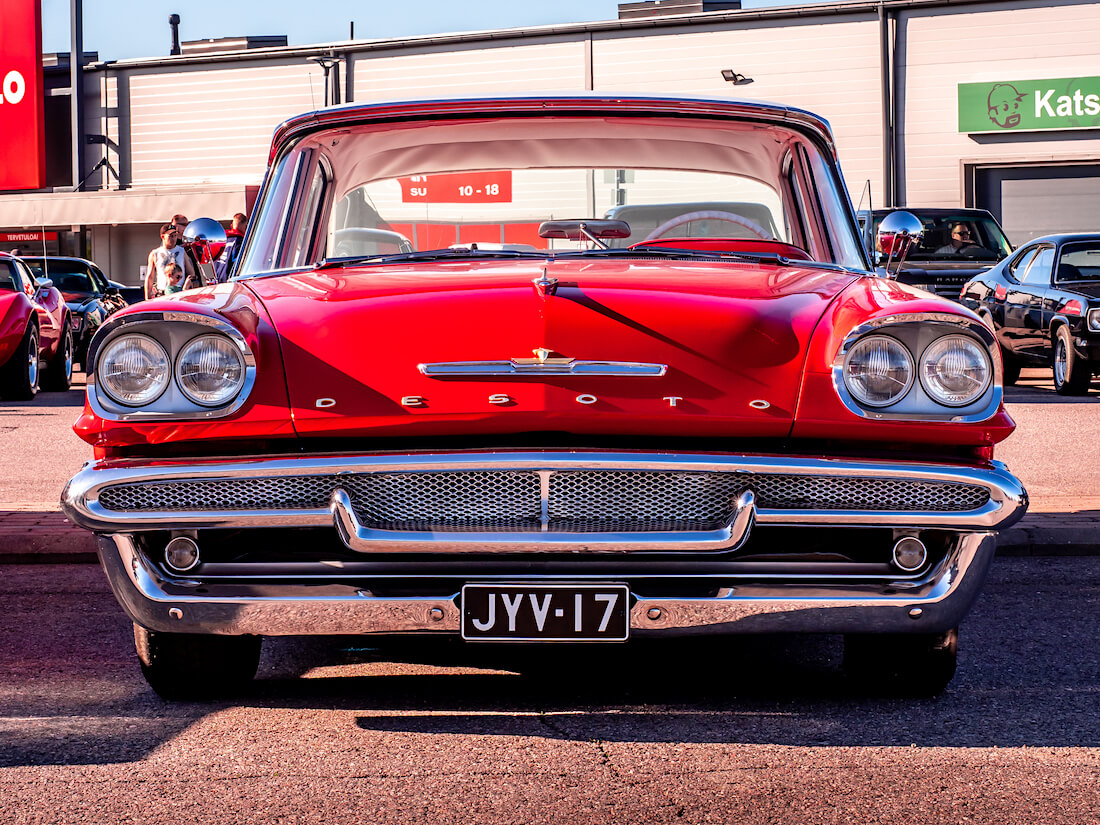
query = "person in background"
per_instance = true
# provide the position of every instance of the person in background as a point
(173, 277)
(156, 282)
(234, 238)
(961, 242)
(195, 277)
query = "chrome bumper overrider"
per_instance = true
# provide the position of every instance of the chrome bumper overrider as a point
(1006, 500)
(936, 602)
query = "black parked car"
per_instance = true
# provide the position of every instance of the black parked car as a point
(957, 245)
(1044, 303)
(90, 296)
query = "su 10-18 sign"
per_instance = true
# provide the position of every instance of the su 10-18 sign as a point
(1030, 105)
(458, 187)
(22, 104)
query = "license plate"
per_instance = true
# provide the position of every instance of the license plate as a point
(545, 613)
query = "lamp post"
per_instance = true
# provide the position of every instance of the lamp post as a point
(76, 90)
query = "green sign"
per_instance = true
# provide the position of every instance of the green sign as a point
(1030, 105)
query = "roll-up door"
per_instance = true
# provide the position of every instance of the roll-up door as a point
(1031, 201)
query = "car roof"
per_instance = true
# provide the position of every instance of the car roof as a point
(56, 258)
(932, 211)
(1064, 238)
(550, 103)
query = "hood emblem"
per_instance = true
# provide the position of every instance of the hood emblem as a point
(545, 285)
(545, 362)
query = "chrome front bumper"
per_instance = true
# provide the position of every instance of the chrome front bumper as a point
(1002, 502)
(937, 602)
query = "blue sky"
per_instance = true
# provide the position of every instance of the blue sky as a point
(118, 30)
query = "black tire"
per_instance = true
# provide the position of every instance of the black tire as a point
(918, 664)
(19, 377)
(1010, 368)
(1072, 374)
(59, 372)
(194, 666)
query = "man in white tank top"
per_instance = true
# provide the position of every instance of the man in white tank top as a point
(156, 280)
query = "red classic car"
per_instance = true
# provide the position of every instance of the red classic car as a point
(541, 424)
(34, 329)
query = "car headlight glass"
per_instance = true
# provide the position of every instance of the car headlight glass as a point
(210, 370)
(955, 370)
(878, 370)
(134, 370)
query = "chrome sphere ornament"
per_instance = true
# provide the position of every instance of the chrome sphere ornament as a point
(897, 236)
(204, 230)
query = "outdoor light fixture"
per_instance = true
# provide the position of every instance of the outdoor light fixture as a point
(736, 78)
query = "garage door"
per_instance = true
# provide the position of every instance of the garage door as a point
(1041, 200)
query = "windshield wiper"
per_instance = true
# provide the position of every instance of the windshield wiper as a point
(427, 255)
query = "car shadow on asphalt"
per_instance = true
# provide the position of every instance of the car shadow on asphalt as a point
(1028, 676)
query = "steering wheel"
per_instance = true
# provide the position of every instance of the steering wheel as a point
(729, 217)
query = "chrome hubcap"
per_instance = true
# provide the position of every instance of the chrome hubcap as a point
(68, 357)
(1060, 363)
(32, 362)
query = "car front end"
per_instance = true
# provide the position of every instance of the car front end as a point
(726, 428)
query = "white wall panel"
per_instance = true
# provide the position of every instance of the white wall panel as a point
(472, 71)
(829, 66)
(212, 124)
(945, 47)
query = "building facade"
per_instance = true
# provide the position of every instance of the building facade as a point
(920, 93)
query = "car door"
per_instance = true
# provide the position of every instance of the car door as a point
(1034, 340)
(1008, 302)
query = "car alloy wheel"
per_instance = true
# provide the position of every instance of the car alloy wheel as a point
(1072, 374)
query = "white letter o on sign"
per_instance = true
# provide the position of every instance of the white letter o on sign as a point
(14, 87)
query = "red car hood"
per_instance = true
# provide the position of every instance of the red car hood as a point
(733, 338)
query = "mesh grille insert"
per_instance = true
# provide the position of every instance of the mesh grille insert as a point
(586, 501)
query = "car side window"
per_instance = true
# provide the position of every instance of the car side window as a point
(8, 282)
(1019, 266)
(1040, 269)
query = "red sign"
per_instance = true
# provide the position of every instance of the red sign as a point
(22, 103)
(458, 187)
(27, 237)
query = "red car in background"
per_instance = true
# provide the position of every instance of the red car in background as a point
(542, 426)
(34, 331)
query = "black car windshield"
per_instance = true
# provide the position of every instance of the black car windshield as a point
(1080, 261)
(68, 276)
(958, 237)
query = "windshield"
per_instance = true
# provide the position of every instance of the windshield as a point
(67, 276)
(376, 191)
(1079, 261)
(963, 236)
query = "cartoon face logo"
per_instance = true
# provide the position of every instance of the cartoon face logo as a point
(1004, 105)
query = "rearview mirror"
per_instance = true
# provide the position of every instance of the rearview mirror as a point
(585, 230)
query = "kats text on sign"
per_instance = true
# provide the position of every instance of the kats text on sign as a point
(1030, 105)
(22, 104)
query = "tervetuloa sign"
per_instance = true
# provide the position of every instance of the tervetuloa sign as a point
(22, 104)
(1030, 105)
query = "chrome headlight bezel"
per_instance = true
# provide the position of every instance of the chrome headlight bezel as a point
(173, 331)
(1092, 319)
(917, 331)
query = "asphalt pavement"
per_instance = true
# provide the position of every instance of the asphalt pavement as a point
(1055, 451)
(749, 730)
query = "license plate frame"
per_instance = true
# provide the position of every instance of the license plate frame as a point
(599, 620)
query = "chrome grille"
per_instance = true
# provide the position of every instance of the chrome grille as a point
(584, 501)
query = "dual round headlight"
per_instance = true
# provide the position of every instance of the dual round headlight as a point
(135, 370)
(954, 370)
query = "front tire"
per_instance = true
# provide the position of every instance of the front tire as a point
(1072, 374)
(196, 666)
(59, 373)
(917, 664)
(19, 377)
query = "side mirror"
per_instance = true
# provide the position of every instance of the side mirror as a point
(897, 236)
(43, 283)
(111, 290)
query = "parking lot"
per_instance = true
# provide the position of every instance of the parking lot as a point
(748, 730)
